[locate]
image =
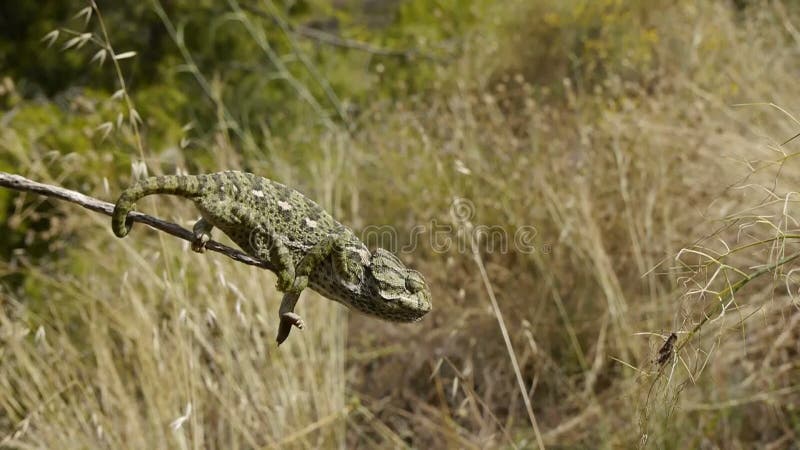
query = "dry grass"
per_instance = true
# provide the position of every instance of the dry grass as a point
(147, 345)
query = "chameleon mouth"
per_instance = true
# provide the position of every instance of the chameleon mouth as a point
(422, 305)
(425, 301)
(410, 309)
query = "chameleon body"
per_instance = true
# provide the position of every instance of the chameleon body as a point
(306, 246)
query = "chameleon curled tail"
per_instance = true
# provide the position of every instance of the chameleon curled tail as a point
(188, 186)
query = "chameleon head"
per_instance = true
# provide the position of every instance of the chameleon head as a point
(403, 294)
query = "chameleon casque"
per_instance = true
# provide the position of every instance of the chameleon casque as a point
(307, 247)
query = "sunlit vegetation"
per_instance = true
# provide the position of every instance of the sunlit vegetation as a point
(644, 142)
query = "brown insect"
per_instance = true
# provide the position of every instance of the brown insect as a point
(665, 352)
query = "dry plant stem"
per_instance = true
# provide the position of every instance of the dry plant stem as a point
(322, 422)
(507, 339)
(121, 79)
(23, 184)
(726, 294)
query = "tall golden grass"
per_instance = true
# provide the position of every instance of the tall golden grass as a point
(645, 172)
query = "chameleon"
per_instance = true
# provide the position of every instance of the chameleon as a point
(306, 246)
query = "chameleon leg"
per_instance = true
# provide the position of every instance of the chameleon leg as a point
(306, 266)
(349, 270)
(265, 245)
(288, 317)
(249, 231)
(202, 234)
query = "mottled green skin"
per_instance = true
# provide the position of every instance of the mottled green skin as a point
(275, 223)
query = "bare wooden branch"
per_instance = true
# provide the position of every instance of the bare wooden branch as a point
(23, 184)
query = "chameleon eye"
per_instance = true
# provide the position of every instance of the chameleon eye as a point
(414, 284)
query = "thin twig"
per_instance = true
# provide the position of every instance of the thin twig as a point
(280, 65)
(337, 41)
(23, 184)
(310, 67)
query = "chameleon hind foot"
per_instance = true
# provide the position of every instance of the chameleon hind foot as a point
(288, 320)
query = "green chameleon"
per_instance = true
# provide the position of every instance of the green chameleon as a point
(307, 247)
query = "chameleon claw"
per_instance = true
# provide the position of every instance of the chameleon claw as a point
(288, 320)
(199, 243)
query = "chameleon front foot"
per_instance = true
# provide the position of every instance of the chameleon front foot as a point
(199, 243)
(202, 234)
(288, 320)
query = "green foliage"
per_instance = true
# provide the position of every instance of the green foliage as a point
(22, 54)
(585, 40)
